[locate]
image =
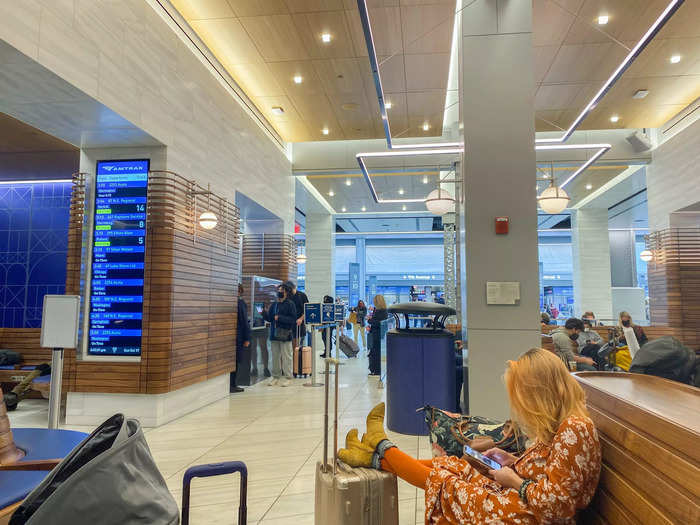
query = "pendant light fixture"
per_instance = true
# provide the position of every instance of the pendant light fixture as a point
(440, 201)
(646, 255)
(208, 219)
(553, 199)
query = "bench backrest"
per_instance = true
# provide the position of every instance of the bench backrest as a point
(26, 341)
(649, 431)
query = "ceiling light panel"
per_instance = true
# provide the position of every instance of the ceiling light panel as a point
(603, 19)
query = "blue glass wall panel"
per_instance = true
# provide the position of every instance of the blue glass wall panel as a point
(33, 249)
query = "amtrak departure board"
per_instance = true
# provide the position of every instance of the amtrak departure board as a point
(118, 255)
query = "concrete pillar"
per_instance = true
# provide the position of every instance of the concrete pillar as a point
(590, 250)
(623, 258)
(320, 251)
(499, 180)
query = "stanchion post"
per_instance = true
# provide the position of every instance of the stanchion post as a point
(55, 391)
(313, 359)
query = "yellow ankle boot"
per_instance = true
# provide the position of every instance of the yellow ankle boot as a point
(355, 453)
(375, 427)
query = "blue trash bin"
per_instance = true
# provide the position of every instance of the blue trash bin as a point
(420, 367)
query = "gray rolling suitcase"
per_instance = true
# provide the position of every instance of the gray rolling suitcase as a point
(351, 496)
(348, 346)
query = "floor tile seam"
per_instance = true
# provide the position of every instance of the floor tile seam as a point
(302, 466)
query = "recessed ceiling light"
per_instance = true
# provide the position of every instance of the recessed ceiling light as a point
(387, 104)
(675, 59)
(603, 19)
(461, 125)
(614, 119)
(589, 186)
(425, 180)
(426, 126)
(400, 191)
(325, 131)
(326, 37)
(298, 79)
(331, 193)
(364, 208)
(348, 182)
(403, 207)
(277, 110)
(344, 209)
(640, 93)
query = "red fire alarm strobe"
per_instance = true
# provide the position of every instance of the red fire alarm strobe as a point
(502, 225)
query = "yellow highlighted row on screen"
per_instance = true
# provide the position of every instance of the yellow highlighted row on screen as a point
(104, 210)
(102, 243)
(103, 227)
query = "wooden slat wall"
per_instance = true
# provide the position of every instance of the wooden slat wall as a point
(269, 255)
(674, 282)
(26, 342)
(190, 294)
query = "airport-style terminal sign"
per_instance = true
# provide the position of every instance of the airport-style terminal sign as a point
(118, 254)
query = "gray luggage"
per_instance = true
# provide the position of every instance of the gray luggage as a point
(351, 496)
(348, 346)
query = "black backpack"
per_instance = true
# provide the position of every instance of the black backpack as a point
(8, 357)
(665, 357)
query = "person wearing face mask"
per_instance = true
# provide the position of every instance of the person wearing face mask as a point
(564, 339)
(282, 316)
(632, 334)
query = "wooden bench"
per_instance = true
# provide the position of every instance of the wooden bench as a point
(25, 341)
(649, 430)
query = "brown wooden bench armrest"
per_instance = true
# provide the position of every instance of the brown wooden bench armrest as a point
(39, 464)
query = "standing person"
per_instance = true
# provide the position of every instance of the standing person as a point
(375, 335)
(327, 299)
(632, 334)
(358, 325)
(282, 317)
(553, 479)
(242, 338)
(589, 316)
(563, 339)
(299, 299)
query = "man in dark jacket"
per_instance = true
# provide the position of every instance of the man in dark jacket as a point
(299, 299)
(242, 337)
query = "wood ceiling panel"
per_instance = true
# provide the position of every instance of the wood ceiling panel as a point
(317, 114)
(312, 25)
(228, 40)
(393, 73)
(685, 24)
(284, 73)
(203, 9)
(258, 7)
(19, 137)
(655, 61)
(309, 6)
(265, 104)
(426, 107)
(388, 40)
(543, 57)
(427, 28)
(624, 22)
(256, 80)
(276, 37)
(356, 123)
(356, 33)
(340, 75)
(584, 62)
(427, 72)
(550, 23)
(556, 96)
(398, 114)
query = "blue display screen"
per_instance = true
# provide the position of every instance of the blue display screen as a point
(118, 255)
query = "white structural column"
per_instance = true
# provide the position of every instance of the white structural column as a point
(590, 250)
(320, 250)
(499, 180)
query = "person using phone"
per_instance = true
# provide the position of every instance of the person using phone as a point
(554, 478)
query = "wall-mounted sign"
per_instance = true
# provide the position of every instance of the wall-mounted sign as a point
(354, 283)
(327, 313)
(312, 313)
(118, 255)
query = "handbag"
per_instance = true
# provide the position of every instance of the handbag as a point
(449, 432)
(352, 318)
(282, 334)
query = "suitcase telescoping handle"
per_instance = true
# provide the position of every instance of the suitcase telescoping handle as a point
(336, 362)
(216, 469)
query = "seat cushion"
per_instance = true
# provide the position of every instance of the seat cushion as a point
(38, 444)
(43, 379)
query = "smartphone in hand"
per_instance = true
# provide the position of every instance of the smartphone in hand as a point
(478, 456)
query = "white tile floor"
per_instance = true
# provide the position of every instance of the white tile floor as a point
(277, 432)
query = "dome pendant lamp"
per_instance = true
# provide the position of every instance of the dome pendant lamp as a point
(208, 219)
(440, 201)
(553, 199)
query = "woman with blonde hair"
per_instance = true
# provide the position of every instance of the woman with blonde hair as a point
(550, 482)
(375, 335)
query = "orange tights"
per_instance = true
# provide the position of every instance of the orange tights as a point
(414, 471)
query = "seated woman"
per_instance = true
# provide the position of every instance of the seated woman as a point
(553, 479)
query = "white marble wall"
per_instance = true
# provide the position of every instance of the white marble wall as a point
(320, 258)
(590, 245)
(123, 54)
(673, 177)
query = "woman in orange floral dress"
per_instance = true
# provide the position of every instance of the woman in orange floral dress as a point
(549, 483)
